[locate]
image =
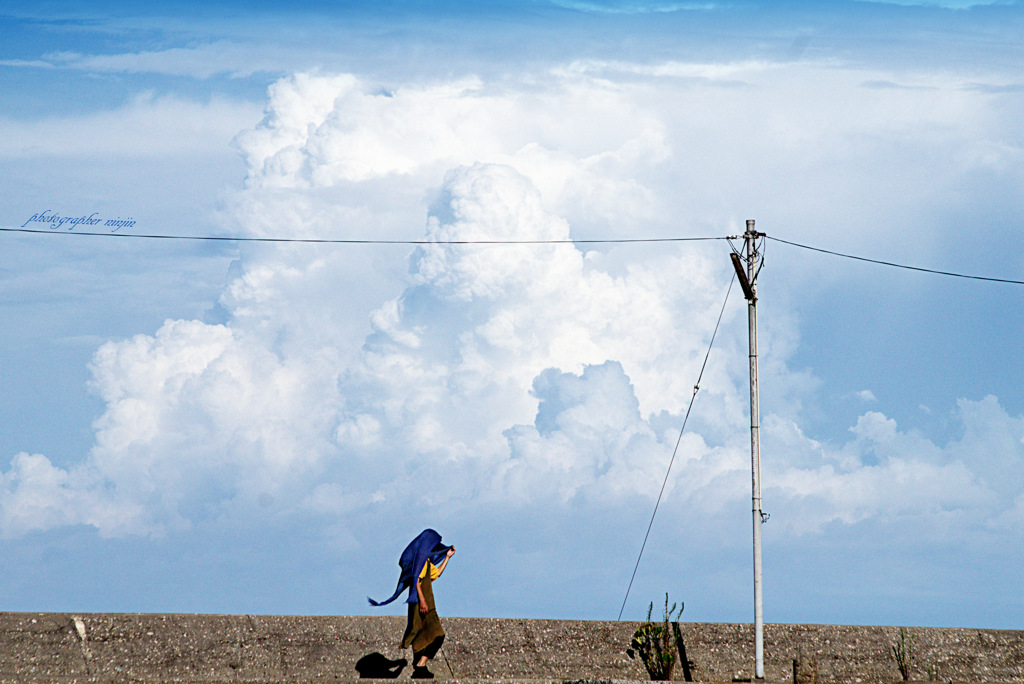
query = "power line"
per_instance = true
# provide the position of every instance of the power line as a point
(604, 241)
(330, 241)
(895, 265)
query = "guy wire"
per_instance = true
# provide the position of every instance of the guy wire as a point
(696, 388)
(445, 656)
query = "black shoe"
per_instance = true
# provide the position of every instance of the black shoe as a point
(421, 673)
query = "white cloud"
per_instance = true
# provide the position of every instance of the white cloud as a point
(992, 445)
(323, 131)
(589, 442)
(36, 496)
(889, 474)
(518, 372)
(197, 416)
(451, 363)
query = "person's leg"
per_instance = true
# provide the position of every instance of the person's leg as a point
(420, 671)
(421, 658)
(430, 652)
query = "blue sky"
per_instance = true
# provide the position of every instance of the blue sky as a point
(234, 427)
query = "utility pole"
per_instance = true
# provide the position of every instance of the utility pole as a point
(748, 281)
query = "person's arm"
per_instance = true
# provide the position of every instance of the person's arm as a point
(444, 563)
(419, 595)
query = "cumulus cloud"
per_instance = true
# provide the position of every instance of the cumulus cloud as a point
(202, 414)
(36, 496)
(462, 355)
(329, 131)
(513, 373)
(196, 417)
(887, 473)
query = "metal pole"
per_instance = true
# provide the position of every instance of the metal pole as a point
(755, 448)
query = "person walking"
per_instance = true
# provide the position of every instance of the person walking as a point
(422, 562)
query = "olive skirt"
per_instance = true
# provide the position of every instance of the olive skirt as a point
(424, 632)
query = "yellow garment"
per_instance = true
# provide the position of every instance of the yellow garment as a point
(434, 572)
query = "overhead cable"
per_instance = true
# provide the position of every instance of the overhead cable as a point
(340, 241)
(895, 265)
(568, 241)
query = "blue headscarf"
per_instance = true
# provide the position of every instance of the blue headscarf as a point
(426, 546)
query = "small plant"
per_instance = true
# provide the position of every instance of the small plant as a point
(657, 644)
(903, 653)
